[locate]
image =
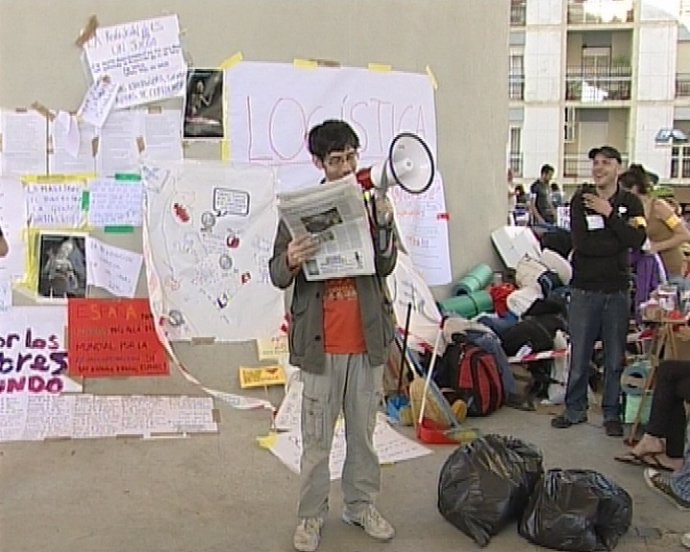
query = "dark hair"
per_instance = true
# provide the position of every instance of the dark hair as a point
(546, 169)
(331, 136)
(554, 187)
(635, 176)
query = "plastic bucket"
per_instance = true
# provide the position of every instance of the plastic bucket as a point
(477, 278)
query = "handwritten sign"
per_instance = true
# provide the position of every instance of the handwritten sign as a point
(273, 347)
(145, 57)
(33, 357)
(260, 376)
(54, 204)
(114, 338)
(98, 101)
(112, 268)
(116, 201)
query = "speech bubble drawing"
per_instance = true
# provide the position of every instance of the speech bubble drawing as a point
(230, 202)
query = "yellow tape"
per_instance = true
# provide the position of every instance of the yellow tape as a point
(672, 221)
(380, 67)
(267, 441)
(638, 221)
(432, 78)
(305, 63)
(231, 61)
(56, 178)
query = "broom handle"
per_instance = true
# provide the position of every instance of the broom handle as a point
(404, 346)
(431, 369)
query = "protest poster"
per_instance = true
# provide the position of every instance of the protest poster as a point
(33, 356)
(114, 337)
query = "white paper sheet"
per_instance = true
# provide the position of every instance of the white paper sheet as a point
(115, 201)
(118, 151)
(112, 268)
(64, 157)
(24, 143)
(33, 354)
(390, 446)
(212, 265)
(98, 101)
(12, 221)
(162, 135)
(55, 205)
(5, 295)
(145, 57)
(37, 417)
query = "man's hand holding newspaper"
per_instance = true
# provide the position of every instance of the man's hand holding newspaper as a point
(330, 229)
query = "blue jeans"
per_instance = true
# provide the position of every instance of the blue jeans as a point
(592, 315)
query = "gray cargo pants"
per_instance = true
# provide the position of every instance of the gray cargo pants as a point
(350, 384)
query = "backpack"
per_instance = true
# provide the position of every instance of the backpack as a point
(471, 374)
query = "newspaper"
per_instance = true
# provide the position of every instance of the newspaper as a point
(335, 214)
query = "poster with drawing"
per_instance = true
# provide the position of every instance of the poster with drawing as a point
(208, 235)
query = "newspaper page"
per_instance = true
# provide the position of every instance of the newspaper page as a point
(335, 214)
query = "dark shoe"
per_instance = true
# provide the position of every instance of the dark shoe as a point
(562, 422)
(661, 482)
(613, 428)
(520, 403)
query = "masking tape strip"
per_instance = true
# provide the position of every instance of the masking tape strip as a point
(43, 110)
(155, 110)
(325, 62)
(432, 78)
(87, 32)
(380, 67)
(54, 178)
(141, 144)
(305, 63)
(231, 61)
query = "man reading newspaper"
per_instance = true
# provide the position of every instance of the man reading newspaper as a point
(340, 330)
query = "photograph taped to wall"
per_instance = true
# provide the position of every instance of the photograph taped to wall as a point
(62, 265)
(204, 104)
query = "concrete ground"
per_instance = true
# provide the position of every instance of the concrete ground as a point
(224, 493)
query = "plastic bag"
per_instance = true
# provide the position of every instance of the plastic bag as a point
(577, 510)
(487, 483)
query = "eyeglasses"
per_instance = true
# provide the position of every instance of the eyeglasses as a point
(338, 160)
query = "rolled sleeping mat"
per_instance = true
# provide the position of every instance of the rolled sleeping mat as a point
(468, 305)
(476, 279)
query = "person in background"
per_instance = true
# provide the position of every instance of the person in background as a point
(520, 195)
(4, 247)
(557, 195)
(665, 228)
(541, 209)
(339, 335)
(512, 200)
(605, 221)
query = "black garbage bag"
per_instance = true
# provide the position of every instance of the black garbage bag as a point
(579, 510)
(487, 483)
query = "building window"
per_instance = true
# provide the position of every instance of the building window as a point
(518, 12)
(515, 161)
(516, 77)
(569, 127)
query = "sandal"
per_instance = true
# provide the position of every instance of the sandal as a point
(648, 460)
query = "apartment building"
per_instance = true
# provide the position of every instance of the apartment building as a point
(588, 72)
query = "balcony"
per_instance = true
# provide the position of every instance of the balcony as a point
(516, 87)
(579, 166)
(518, 13)
(600, 12)
(682, 85)
(589, 86)
(515, 164)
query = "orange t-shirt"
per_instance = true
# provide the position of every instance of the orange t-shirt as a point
(342, 321)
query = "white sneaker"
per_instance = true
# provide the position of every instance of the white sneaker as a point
(685, 540)
(373, 523)
(307, 534)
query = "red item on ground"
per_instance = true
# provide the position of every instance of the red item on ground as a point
(499, 295)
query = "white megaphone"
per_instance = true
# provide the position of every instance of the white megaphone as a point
(409, 165)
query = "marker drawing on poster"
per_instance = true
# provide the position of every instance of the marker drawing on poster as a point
(55, 204)
(145, 57)
(98, 101)
(207, 250)
(112, 268)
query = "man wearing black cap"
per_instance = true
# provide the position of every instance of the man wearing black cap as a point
(605, 222)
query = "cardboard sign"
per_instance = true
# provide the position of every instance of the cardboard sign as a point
(114, 338)
(260, 376)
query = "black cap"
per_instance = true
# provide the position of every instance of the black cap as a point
(606, 151)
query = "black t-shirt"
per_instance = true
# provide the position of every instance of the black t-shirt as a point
(542, 201)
